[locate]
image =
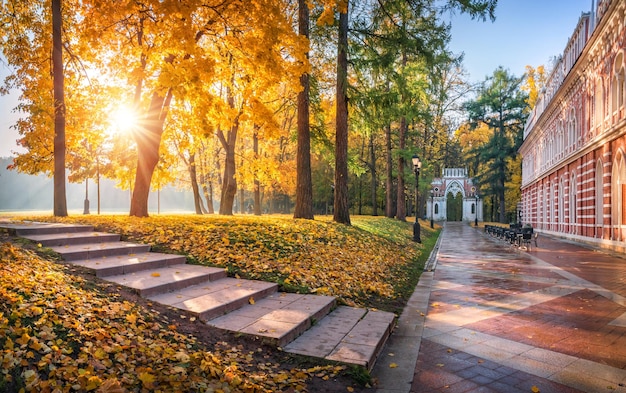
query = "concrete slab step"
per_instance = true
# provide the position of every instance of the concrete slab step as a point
(148, 283)
(212, 299)
(72, 238)
(42, 228)
(124, 264)
(278, 318)
(348, 335)
(98, 250)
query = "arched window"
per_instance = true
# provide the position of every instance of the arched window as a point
(550, 205)
(617, 84)
(560, 140)
(572, 203)
(436, 208)
(542, 211)
(599, 186)
(598, 114)
(572, 131)
(560, 215)
(473, 208)
(618, 194)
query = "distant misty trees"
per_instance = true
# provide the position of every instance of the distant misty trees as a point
(22, 192)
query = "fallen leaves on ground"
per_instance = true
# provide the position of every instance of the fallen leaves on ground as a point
(353, 263)
(59, 333)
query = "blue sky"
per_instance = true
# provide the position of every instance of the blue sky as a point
(526, 32)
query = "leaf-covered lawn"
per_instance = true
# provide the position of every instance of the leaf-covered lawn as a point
(60, 332)
(371, 263)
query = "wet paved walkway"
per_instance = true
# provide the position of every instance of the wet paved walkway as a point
(502, 320)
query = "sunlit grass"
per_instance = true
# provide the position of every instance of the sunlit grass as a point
(373, 263)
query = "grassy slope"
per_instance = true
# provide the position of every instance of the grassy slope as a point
(59, 330)
(373, 263)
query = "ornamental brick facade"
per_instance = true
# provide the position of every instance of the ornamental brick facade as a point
(574, 149)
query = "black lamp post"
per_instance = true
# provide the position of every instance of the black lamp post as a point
(432, 203)
(476, 215)
(86, 204)
(417, 165)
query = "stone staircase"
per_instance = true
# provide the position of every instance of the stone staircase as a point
(310, 325)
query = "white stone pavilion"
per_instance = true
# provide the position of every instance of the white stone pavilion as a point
(454, 197)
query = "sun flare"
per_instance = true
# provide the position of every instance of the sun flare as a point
(123, 120)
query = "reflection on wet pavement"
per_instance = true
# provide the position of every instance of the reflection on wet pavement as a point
(504, 320)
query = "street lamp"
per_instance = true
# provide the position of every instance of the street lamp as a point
(476, 211)
(86, 204)
(432, 203)
(417, 165)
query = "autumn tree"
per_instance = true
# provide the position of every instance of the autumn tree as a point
(502, 106)
(535, 80)
(60, 201)
(304, 185)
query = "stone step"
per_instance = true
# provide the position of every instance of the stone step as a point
(301, 324)
(348, 335)
(98, 250)
(72, 238)
(42, 228)
(124, 264)
(278, 318)
(215, 298)
(152, 282)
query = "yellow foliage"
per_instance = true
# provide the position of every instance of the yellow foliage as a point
(319, 256)
(85, 340)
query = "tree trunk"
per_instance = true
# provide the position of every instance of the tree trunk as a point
(208, 195)
(257, 183)
(374, 175)
(194, 183)
(148, 142)
(60, 200)
(242, 201)
(304, 183)
(390, 211)
(341, 207)
(229, 184)
(207, 186)
(401, 193)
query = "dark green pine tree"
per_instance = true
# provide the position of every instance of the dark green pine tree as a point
(501, 105)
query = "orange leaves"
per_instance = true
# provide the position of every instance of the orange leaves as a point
(147, 380)
(67, 335)
(353, 263)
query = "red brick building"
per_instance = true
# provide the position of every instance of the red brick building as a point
(574, 149)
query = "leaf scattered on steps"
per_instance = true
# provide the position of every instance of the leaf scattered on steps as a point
(156, 274)
(393, 365)
(534, 389)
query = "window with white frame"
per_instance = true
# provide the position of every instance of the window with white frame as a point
(572, 201)
(560, 215)
(599, 186)
(617, 85)
(598, 116)
(618, 192)
(571, 129)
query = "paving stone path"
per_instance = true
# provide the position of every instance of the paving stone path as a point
(493, 318)
(304, 324)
